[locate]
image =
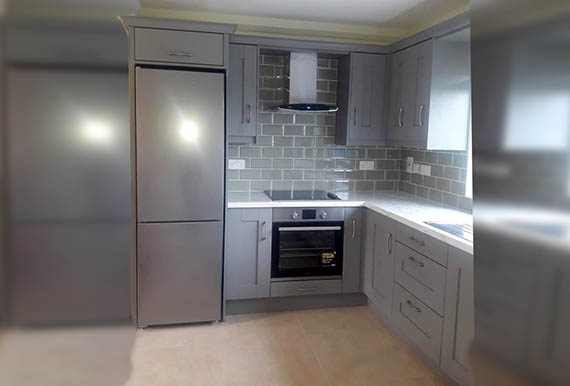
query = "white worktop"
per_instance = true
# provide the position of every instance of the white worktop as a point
(402, 207)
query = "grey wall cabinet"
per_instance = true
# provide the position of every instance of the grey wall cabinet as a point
(361, 98)
(459, 318)
(430, 88)
(352, 250)
(242, 94)
(248, 253)
(378, 267)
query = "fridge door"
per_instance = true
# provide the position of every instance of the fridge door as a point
(179, 272)
(180, 145)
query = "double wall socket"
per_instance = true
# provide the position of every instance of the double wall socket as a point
(236, 164)
(414, 167)
(366, 165)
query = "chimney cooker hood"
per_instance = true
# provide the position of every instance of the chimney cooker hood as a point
(303, 85)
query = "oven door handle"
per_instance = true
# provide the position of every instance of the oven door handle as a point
(305, 229)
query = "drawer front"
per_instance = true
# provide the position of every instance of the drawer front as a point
(421, 276)
(418, 241)
(305, 287)
(179, 46)
(421, 325)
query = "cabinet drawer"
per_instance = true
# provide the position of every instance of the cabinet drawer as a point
(421, 276)
(418, 241)
(305, 287)
(421, 325)
(179, 46)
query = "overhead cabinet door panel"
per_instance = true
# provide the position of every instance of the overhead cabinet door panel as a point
(242, 94)
(180, 145)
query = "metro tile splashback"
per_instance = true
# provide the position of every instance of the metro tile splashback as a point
(296, 151)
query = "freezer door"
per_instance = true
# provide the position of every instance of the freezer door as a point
(179, 272)
(180, 145)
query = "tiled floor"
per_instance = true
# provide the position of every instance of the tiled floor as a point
(341, 347)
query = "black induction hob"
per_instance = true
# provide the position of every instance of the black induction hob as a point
(280, 195)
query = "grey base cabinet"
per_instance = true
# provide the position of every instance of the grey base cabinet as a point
(352, 250)
(378, 267)
(248, 253)
(459, 318)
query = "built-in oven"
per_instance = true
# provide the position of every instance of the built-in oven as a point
(307, 242)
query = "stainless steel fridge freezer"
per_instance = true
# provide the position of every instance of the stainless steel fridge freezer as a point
(180, 162)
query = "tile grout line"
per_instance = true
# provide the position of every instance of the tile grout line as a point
(312, 351)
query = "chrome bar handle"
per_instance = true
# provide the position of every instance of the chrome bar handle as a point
(353, 228)
(180, 53)
(248, 109)
(417, 309)
(306, 289)
(400, 113)
(419, 242)
(418, 263)
(389, 243)
(420, 114)
(355, 120)
(263, 230)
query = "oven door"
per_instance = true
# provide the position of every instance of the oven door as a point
(307, 249)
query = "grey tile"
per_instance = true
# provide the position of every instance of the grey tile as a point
(344, 186)
(330, 119)
(405, 176)
(293, 152)
(272, 129)
(271, 174)
(272, 83)
(333, 86)
(419, 156)
(335, 153)
(313, 174)
(266, 94)
(333, 176)
(292, 174)
(429, 181)
(394, 153)
(315, 152)
(385, 185)
(410, 188)
(302, 185)
(249, 174)
(250, 152)
(465, 204)
(274, 152)
(325, 185)
(325, 141)
(282, 141)
(323, 63)
(463, 175)
(273, 59)
(443, 184)
(430, 157)
(304, 119)
(279, 163)
(375, 174)
(322, 85)
(262, 163)
(385, 164)
(294, 130)
(392, 174)
(445, 159)
(326, 74)
(316, 130)
(460, 160)
(326, 97)
(417, 179)
(450, 199)
(437, 170)
(282, 118)
(355, 153)
(452, 173)
(266, 70)
(435, 195)
(304, 141)
(238, 186)
(233, 151)
(422, 191)
(401, 186)
(260, 185)
(364, 185)
(282, 185)
(458, 188)
(264, 140)
(320, 119)
(279, 70)
(324, 164)
(376, 153)
(304, 164)
(345, 164)
(232, 174)
(355, 175)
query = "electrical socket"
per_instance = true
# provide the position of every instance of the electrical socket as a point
(409, 164)
(366, 165)
(425, 170)
(236, 164)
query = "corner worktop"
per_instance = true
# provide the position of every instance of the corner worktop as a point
(399, 206)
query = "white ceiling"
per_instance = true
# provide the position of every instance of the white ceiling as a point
(378, 20)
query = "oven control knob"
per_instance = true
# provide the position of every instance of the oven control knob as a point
(294, 215)
(324, 215)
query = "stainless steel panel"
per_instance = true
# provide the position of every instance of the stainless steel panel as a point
(285, 214)
(305, 287)
(179, 272)
(180, 145)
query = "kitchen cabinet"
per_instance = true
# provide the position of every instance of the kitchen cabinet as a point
(352, 250)
(361, 98)
(248, 253)
(459, 318)
(242, 94)
(378, 267)
(430, 92)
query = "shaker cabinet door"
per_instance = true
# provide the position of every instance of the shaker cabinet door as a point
(242, 94)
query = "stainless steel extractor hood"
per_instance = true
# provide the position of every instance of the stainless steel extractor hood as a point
(303, 85)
